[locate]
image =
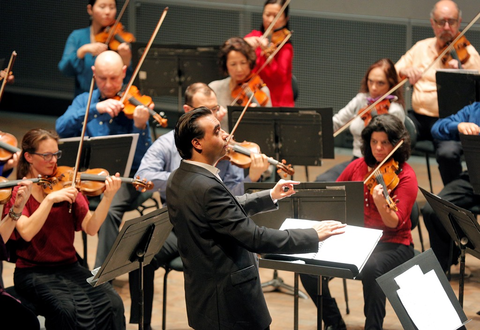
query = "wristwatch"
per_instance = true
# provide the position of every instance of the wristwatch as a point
(14, 216)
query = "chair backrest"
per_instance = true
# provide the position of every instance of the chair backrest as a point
(294, 87)
(415, 215)
(412, 131)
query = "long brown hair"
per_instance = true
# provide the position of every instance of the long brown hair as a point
(392, 77)
(30, 143)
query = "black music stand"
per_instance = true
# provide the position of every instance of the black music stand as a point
(169, 69)
(456, 89)
(114, 153)
(463, 228)
(136, 245)
(301, 136)
(315, 201)
(471, 150)
(429, 270)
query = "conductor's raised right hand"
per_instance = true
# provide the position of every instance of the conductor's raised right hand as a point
(328, 228)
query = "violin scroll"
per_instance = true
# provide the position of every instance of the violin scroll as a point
(386, 175)
(144, 184)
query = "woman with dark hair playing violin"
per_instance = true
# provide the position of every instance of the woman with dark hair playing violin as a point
(380, 138)
(378, 80)
(278, 73)
(47, 272)
(81, 47)
(237, 60)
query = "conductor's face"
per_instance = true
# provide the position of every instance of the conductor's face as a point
(213, 145)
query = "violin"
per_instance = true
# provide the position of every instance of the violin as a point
(114, 36)
(386, 175)
(252, 86)
(8, 146)
(90, 182)
(133, 99)
(6, 186)
(239, 154)
(459, 51)
(380, 108)
(278, 37)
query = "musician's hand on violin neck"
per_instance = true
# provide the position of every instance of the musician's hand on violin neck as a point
(141, 115)
(452, 64)
(468, 128)
(23, 194)
(112, 184)
(259, 164)
(12, 162)
(110, 106)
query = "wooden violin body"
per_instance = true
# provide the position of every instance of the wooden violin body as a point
(380, 109)
(387, 176)
(252, 85)
(116, 37)
(239, 154)
(460, 49)
(8, 146)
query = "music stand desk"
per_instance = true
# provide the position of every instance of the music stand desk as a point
(427, 262)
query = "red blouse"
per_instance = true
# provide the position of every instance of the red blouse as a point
(277, 75)
(406, 192)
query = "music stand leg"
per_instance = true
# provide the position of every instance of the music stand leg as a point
(142, 295)
(461, 282)
(277, 283)
(295, 302)
(320, 301)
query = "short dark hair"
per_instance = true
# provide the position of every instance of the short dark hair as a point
(395, 130)
(236, 44)
(187, 129)
(195, 88)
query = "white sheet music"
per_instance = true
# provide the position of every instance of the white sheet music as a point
(354, 247)
(425, 300)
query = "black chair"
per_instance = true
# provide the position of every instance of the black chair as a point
(174, 264)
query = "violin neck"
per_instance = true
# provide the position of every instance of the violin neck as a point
(100, 178)
(9, 147)
(248, 152)
(13, 183)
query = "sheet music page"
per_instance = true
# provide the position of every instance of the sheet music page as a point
(353, 247)
(426, 301)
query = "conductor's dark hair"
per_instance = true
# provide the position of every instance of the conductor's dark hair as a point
(187, 129)
(395, 130)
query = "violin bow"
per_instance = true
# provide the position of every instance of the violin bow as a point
(82, 135)
(147, 48)
(383, 161)
(404, 80)
(9, 68)
(114, 26)
(240, 118)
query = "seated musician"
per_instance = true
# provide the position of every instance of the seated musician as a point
(396, 245)
(106, 117)
(380, 77)
(47, 271)
(237, 59)
(161, 159)
(459, 191)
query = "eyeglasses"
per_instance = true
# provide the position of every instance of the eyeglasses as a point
(441, 23)
(48, 156)
(212, 109)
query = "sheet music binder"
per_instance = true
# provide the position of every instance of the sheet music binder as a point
(349, 250)
(471, 150)
(427, 262)
(114, 153)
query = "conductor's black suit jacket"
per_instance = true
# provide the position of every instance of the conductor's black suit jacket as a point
(218, 243)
